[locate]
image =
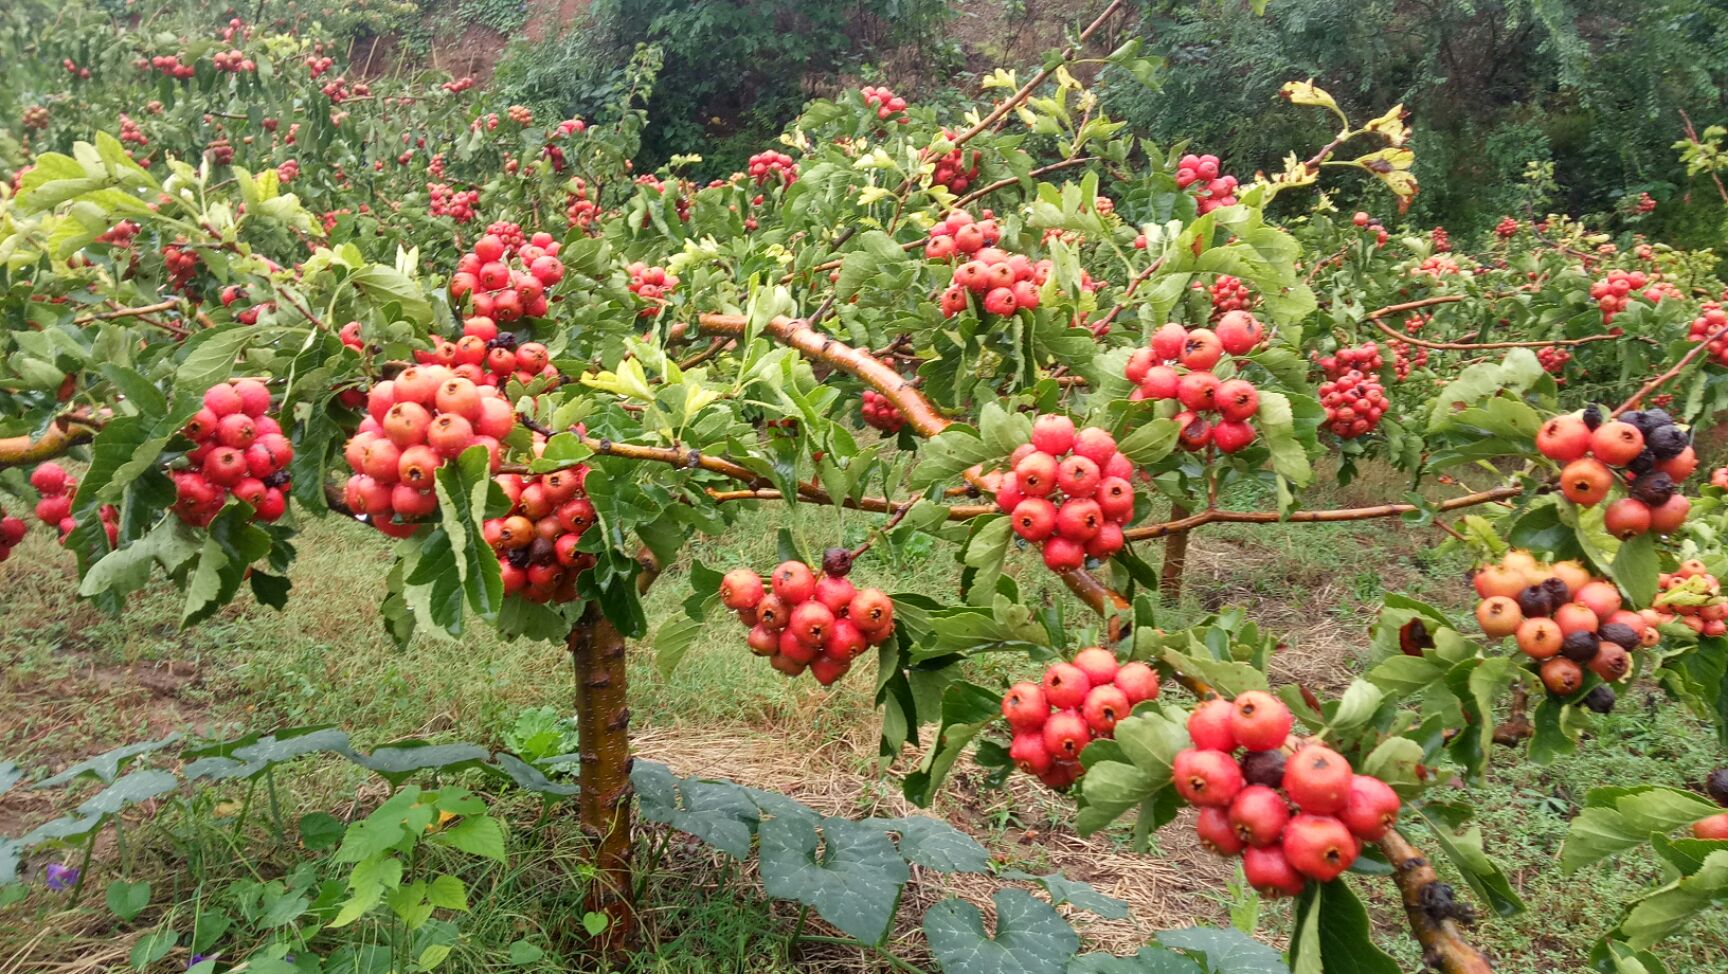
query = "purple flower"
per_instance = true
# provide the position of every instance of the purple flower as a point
(195, 961)
(61, 876)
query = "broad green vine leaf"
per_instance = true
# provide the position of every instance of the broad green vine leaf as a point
(853, 882)
(1226, 950)
(1031, 937)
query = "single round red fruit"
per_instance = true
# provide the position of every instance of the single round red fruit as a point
(1258, 815)
(1065, 686)
(1317, 779)
(1138, 681)
(741, 588)
(1216, 833)
(1206, 777)
(1259, 721)
(1209, 726)
(1025, 707)
(1371, 808)
(1319, 846)
(1270, 873)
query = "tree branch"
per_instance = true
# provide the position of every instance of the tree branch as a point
(1148, 531)
(16, 451)
(1434, 915)
(1680, 366)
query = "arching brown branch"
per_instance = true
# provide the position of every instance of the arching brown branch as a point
(1002, 184)
(148, 309)
(15, 451)
(879, 505)
(1678, 367)
(1433, 916)
(1395, 335)
(1147, 531)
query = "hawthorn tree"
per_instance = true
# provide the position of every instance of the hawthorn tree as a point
(278, 294)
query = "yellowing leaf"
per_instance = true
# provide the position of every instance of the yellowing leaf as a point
(1308, 93)
(1390, 126)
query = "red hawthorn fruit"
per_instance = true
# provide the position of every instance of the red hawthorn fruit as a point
(1231, 436)
(1627, 517)
(1053, 434)
(1099, 665)
(1713, 827)
(1065, 686)
(741, 588)
(794, 582)
(1258, 815)
(1025, 706)
(1029, 753)
(1077, 477)
(762, 642)
(1317, 779)
(1616, 443)
(810, 622)
(1104, 707)
(1586, 481)
(773, 612)
(1209, 726)
(1096, 445)
(1035, 474)
(1138, 681)
(1371, 808)
(1216, 834)
(1061, 554)
(1319, 846)
(1206, 777)
(1564, 438)
(49, 479)
(1237, 399)
(1259, 721)
(1667, 517)
(1168, 341)
(1198, 391)
(1066, 735)
(1270, 873)
(1079, 519)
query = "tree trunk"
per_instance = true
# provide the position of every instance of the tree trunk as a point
(1175, 559)
(603, 728)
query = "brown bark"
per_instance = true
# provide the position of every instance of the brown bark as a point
(605, 802)
(1175, 559)
(1434, 919)
(16, 451)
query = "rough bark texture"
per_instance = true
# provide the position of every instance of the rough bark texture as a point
(1175, 559)
(605, 803)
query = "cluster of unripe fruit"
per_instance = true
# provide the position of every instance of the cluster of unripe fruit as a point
(58, 489)
(12, 531)
(1246, 803)
(1076, 703)
(504, 293)
(238, 449)
(802, 622)
(1693, 597)
(1178, 365)
(1214, 190)
(1068, 490)
(414, 423)
(1563, 618)
(535, 540)
(1711, 326)
(1644, 450)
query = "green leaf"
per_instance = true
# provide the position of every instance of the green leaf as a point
(465, 493)
(1148, 960)
(1031, 937)
(672, 640)
(127, 900)
(854, 882)
(1226, 950)
(934, 844)
(479, 836)
(1345, 937)
(1150, 443)
(523, 953)
(447, 892)
(151, 948)
(104, 767)
(1635, 568)
(1277, 423)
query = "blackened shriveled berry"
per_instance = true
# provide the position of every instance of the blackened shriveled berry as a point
(1658, 418)
(1620, 634)
(1263, 768)
(1581, 647)
(518, 557)
(1653, 488)
(1534, 601)
(1558, 593)
(1716, 786)
(1668, 441)
(1600, 699)
(1592, 417)
(837, 562)
(1643, 463)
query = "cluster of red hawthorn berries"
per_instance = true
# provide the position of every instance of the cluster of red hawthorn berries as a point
(238, 449)
(1358, 358)
(1077, 703)
(1068, 490)
(459, 85)
(74, 70)
(58, 488)
(770, 166)
(1406, 356)
(12, 530)
(1005, 282)
(233, 61)
(169, 65)
(35, 117)
(1651, 454)
(1506, 229)
(182, 265)
(221, 151)
(414, 423)
(318, 64)
(1215, 190)
(444, 200)
(799, 621)
(1614, 293)
(1442, 240)
(1692, 596)
(1199, 389)
(1711, 325)
(885, 102)
(1553, 359)
(879, 412)
(500, 291)
(1437, 266)
(952, 170)
(535, 541)
(652, 285)
(1562, 618)
(486, 356)
(1230, 294)
(120, 234)
(1354, 403)
(1645, 204)
(1245, 804)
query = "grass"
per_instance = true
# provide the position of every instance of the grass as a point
(76, 682)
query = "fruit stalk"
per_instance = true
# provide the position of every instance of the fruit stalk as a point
(604, 802)
(1427, 902)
